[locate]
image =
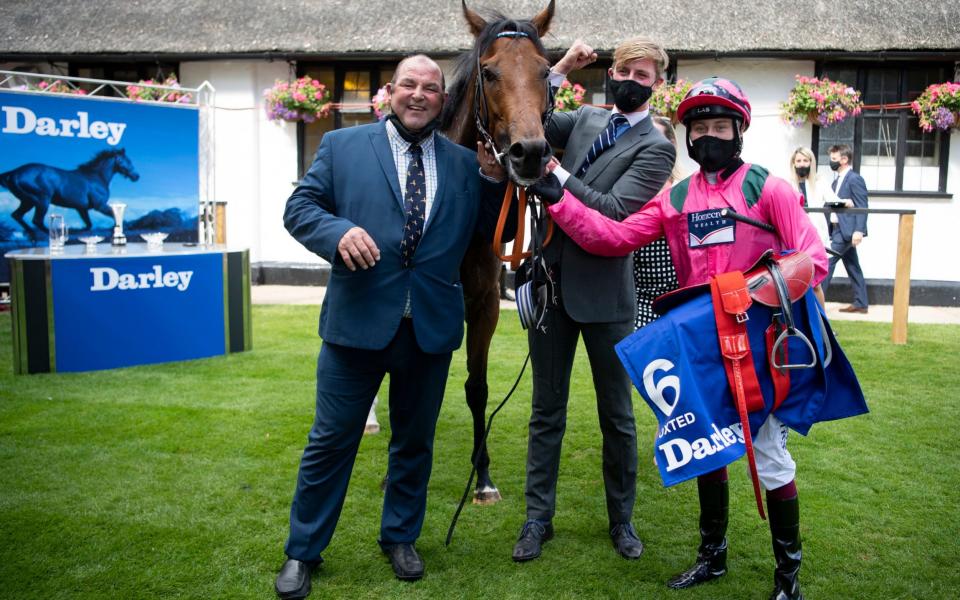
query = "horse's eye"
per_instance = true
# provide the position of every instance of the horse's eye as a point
(545, 74)
(489, 74)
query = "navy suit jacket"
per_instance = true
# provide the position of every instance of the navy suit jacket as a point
(854, 187)
(353, 182)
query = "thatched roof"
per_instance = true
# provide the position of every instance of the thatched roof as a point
(387, 27)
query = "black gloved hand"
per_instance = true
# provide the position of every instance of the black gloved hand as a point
(548, 188)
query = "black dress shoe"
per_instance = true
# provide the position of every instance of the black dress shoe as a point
(532, 537)
(293, 582)
(626, 541)
(406, 563)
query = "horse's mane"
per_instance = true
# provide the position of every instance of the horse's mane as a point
(94, 163)
(463, 72)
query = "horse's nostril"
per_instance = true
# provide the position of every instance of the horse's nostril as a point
(517, 150)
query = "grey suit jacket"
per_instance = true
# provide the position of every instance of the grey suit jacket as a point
(596, 289)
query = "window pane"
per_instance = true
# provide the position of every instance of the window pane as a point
(593, 80)
(356, 91)
(878, 151)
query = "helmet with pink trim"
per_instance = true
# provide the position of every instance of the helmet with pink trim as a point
(714, 97)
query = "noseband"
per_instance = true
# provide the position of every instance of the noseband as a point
(481, 113)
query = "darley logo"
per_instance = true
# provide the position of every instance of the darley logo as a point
(20, 120)
(105, 279)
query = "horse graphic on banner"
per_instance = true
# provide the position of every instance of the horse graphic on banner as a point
(85, 188)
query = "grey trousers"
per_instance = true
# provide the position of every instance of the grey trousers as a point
(552, 355)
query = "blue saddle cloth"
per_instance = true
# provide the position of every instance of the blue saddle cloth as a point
(676, 365)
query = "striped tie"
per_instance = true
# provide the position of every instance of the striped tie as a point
(414, 205)
(607, 138)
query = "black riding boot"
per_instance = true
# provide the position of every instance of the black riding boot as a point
(785, 531)
(712, 554)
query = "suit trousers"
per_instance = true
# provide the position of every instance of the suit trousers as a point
(851, 262)
(552, 354)
(347, 382)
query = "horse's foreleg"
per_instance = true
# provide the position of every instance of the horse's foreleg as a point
(481, 290)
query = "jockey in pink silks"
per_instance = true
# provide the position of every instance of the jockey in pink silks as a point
(704, 243)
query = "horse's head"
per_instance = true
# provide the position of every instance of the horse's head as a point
(124, 166)
(512, 90)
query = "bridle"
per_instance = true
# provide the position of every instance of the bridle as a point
(481, 113)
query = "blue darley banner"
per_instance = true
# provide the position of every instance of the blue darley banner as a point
(72, 155)
(117, 312)
(676, 365)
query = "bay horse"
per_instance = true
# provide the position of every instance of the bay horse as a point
(85, 188)
(500, 94)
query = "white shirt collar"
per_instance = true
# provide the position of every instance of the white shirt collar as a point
(634, 117)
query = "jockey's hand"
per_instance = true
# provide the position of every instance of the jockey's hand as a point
(489, 165)
(357, 249)
(548, 188)
(577, 57)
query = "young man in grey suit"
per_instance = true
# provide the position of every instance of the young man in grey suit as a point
(615, 161)
(848, 230)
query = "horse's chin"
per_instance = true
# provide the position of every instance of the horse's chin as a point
(520, 179)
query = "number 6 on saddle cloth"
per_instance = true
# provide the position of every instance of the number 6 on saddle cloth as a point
(678, 366)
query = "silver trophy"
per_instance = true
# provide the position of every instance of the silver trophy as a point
(118, 238)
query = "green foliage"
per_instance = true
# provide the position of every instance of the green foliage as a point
(175, 480)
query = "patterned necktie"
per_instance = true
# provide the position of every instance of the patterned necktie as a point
(607, 138)
(414, 206)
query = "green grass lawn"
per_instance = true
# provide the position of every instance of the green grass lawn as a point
(175, 480)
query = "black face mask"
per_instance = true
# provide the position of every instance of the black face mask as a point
(835, 165)
(712, 153)
(414, 137)
(802, 172)
(629, 95)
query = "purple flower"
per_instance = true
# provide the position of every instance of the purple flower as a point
(944, 118)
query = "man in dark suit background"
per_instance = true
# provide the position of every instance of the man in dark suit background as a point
(848, 230)
(614, 161)
(392, 206)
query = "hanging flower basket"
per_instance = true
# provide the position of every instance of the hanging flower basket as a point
(568, 97)
(938, 106)
(51, 86)
(820, 101)
(305, 99)
(666, 98)
(140, 91)
(381, 102)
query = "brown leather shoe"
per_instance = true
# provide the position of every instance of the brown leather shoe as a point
(854, 309)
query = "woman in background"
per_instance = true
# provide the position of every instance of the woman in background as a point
(653, 272)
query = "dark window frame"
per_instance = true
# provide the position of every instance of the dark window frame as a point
(380, 73)
(903, 116)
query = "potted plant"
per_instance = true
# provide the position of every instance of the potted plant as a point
(938, 106)
(381, 102)
(305, 99)
(569, 96)
(143, 91)
(667, 97)
(820, 101)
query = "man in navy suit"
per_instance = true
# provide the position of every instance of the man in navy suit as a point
(392, 206)
(848, 230)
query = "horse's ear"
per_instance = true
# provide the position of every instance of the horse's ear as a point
(474, 20)
(543, 18)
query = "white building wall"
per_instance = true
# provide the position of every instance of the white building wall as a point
(256, 159)
(770, 142)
